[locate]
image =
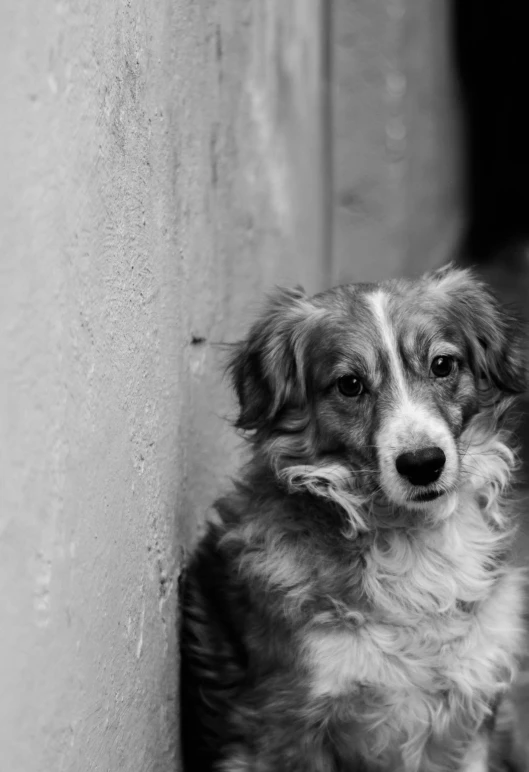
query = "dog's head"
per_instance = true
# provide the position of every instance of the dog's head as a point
(380, 380)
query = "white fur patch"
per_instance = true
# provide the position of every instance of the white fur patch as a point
(477, 758)
(426, 676)
(468, 654)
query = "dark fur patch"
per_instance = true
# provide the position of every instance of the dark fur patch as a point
(214, 661)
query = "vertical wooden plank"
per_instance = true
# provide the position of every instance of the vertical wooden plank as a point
(434, 208)
(364, 249)
(395, 127)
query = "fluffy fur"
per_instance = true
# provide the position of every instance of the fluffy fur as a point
(342, 617)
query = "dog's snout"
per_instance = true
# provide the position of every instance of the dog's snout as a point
(421, 467)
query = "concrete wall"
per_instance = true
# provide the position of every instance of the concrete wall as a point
(153, 183)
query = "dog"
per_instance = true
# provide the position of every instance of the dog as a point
(355, 609)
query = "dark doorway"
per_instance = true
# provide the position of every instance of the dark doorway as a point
(493, 68)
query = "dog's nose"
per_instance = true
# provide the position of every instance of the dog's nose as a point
(421, 467)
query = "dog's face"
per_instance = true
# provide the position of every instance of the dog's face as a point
(381, 379)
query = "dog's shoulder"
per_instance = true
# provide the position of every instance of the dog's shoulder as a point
(290, 552)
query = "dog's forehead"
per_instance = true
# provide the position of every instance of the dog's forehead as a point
(377, 329)
(366, 314)
(406, 314)
(348, 324)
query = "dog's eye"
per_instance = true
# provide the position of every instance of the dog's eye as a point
(350, 386)
(442, 366)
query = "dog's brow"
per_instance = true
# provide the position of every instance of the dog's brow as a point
(378, 304)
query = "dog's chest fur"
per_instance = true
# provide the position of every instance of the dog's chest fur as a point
(434, 647)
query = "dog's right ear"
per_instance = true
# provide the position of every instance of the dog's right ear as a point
(495, 335)
(268, 368)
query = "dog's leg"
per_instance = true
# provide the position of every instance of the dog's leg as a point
(477, 757)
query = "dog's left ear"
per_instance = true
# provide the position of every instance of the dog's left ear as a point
(268, 368)
(494, 333)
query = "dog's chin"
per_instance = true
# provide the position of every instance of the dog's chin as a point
(426, 499)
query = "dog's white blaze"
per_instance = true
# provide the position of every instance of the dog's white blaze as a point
(378, 301)
(410, 425)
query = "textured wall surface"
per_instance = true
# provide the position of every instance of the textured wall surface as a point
(397, 179)
(149, 193)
